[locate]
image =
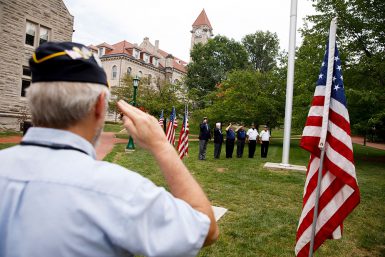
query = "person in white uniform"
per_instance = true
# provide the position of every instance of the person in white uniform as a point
(252, 137)
(57, 200)
(265, 141)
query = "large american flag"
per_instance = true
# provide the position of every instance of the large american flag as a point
(171, 127)
(339, 192)
(161, 119)
(183, 136)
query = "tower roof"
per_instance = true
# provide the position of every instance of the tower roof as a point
(202, 20)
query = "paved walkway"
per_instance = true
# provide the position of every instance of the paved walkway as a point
(108, 140)
(106, 143)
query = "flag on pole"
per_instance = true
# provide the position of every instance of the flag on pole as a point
(339, 192)
(161, 119)
(183, 136)
(171, 127)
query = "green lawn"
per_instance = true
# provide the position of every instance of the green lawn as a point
(264, 206)
(10, 133)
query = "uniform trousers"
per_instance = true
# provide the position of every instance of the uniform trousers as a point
(229, 148)
(252, 145)
(240, 147)
(264, 148)
(217, 150)
(202, 149)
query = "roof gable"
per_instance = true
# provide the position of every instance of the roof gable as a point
(202, 20)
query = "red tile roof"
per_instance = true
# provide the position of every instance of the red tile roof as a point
(124, 46)
(105, 45)
(202, 20)
(93, 47)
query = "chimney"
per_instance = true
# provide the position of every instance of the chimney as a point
(156, 46)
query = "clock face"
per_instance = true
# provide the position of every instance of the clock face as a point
(198, 32)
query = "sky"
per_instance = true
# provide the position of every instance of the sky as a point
(170, 21)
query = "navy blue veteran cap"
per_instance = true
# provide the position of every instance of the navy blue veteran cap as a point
(66, 61)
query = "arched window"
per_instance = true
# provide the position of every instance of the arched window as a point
(140, 74)
(114, 72)
(129, 70)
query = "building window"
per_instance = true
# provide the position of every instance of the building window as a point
(33, 31)
(155, 62)
(129, 70)
(146, 58)
(101, 51)
(30, 33)
(25, 80)
(136, 54)
(140, 74)
(43, 35)
(114, 72)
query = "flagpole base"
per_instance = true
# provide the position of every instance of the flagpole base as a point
(282, 167)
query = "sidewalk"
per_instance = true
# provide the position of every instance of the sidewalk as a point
(108, 140)
(106, 143)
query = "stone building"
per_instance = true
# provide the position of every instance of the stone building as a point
(24, 25)
(202, 30)
(147, 59)
(144, 60)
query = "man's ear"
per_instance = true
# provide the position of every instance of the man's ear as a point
(100, 105)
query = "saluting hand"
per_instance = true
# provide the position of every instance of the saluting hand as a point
(143, 127)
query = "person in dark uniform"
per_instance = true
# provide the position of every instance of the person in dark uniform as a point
(230, 138)
(218, 140)
(241, 138)
(252, 137)
(204, 137)
(265, 140)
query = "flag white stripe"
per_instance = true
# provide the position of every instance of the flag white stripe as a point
(316, 111)
(311, 131)
(340, 134)
(320, 90)
(330, 209)
(340, 109)
(340, 161)
(326, 181)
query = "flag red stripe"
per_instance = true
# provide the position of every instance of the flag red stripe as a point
(339, 121)
(318, 100)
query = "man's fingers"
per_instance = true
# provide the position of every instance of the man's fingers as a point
(130, 126)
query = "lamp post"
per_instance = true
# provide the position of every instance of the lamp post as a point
(131, 146)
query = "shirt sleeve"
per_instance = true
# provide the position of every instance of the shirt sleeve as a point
(159, 224)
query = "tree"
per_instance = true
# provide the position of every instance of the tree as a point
(262, 48)
(361, 42)
(248, 96)
(152, 99)
(211, 62)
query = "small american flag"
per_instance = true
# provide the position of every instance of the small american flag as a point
(171, 127)
(339, 192)
(161, 119)
(183, 136)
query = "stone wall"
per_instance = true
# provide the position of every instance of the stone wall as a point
(14, 53)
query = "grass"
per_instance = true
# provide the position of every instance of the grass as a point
(264, 206)
(6, 145)
(10, 133)
(113, 127)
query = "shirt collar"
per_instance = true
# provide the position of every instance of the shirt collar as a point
(51, 136)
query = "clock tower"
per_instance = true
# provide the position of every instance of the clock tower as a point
(201, 30)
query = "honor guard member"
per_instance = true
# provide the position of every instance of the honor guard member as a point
(57, 200)
(230, 139)
(241, 138)
(218, 140)
(204, 137)
(265, 140)
(252, 137)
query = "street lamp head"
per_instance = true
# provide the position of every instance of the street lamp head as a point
(136, 81)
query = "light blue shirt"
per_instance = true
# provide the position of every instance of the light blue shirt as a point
(56, 202)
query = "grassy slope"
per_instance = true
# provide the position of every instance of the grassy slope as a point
(264, 206)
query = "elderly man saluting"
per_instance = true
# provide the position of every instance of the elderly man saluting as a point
(57, 200)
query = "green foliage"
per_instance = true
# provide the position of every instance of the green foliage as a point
(248, 96)
(153, 99)
(211, 62)
(262, 48)
(361, 42)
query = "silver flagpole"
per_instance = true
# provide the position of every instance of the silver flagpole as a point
(325, 123)
(289, 84)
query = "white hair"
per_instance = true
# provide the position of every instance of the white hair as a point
(63, 104)
(218, 125)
